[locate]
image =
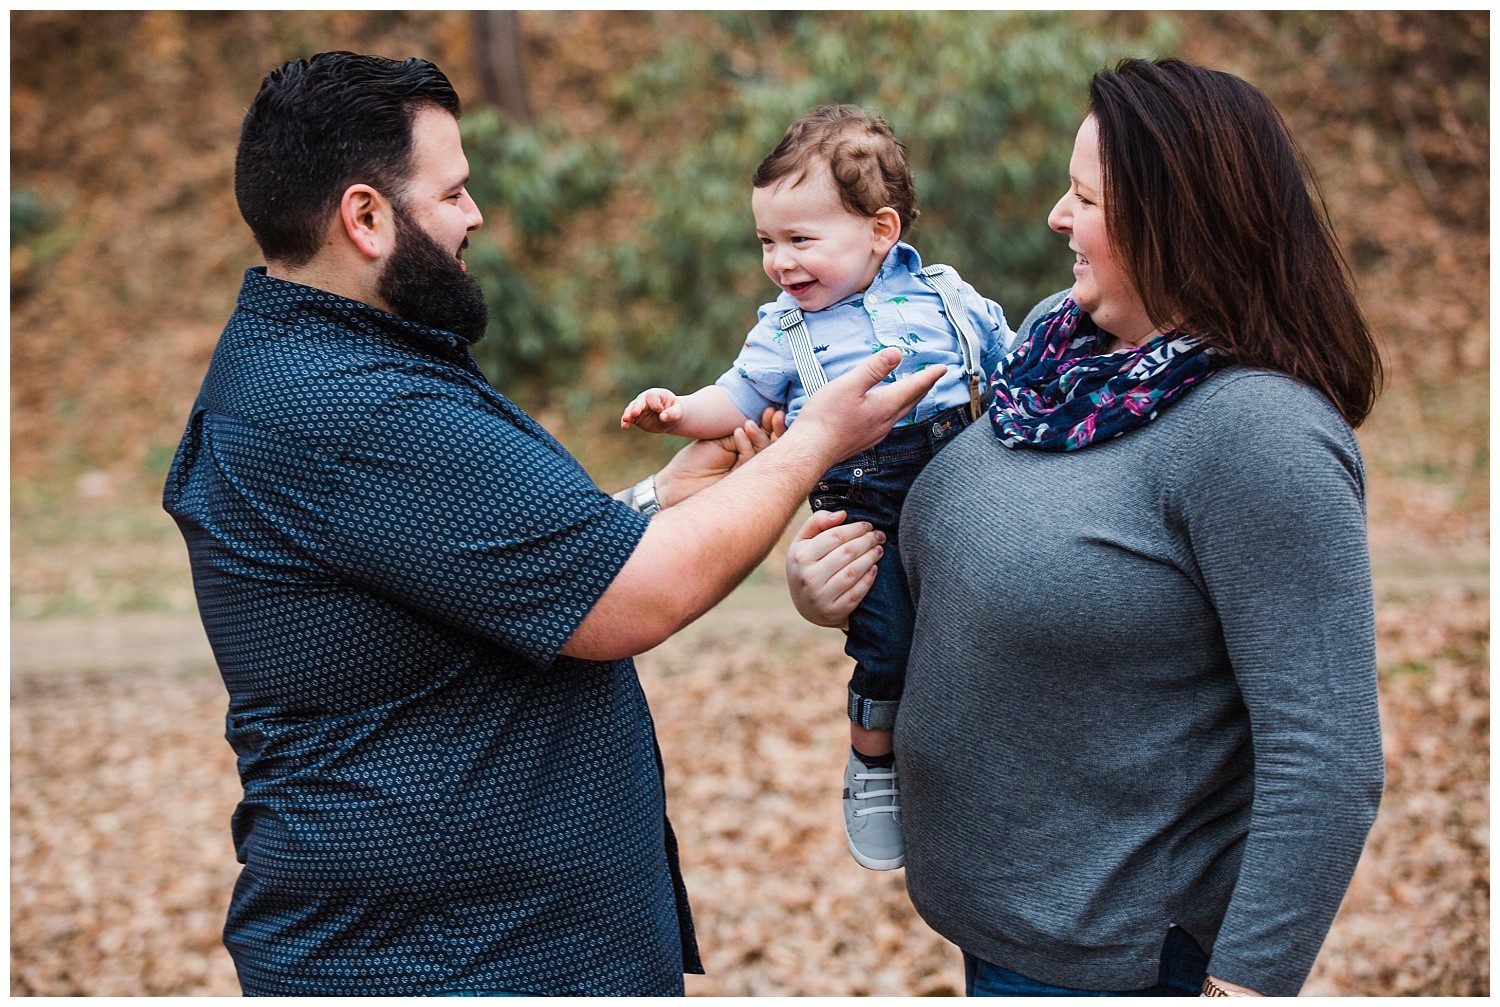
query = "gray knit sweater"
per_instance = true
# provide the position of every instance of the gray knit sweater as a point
(1142, 691)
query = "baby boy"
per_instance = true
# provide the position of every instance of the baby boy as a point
(831, 204)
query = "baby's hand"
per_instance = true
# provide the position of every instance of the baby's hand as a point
(656, 411)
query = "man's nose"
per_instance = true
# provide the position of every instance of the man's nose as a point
(473, 219)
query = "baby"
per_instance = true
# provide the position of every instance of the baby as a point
(831, 204)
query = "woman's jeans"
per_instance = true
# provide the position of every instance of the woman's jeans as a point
(872, 487)
(1184, 966)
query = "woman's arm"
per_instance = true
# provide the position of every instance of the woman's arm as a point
(1272, 500)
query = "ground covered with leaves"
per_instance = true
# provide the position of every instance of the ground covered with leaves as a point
(122, 787)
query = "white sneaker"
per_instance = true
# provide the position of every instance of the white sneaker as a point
(872, 818)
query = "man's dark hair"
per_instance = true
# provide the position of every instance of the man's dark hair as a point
(317, 127)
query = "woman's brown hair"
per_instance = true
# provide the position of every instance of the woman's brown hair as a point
(1215, 212)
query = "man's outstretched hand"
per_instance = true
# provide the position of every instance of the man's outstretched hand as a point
(703, 463)
(856, 411)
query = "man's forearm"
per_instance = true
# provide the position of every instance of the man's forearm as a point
(717, 537)
(696, 552)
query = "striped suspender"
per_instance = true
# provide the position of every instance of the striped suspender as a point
(973, 354)
(808, 368)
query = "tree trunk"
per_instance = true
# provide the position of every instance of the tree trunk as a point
(497, 54)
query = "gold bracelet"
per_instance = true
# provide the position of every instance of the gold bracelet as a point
(1213, 989)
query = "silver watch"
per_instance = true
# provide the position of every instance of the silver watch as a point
(643, 497)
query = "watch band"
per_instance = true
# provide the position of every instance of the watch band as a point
(643, 496)
(1213, 989)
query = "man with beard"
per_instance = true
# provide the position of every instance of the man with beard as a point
(422, 608)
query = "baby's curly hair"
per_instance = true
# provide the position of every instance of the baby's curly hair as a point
(867, 162)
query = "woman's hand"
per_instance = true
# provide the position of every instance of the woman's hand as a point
(703, 463)
(1235, 989)
(830, 567)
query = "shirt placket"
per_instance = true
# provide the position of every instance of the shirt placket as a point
(891, 329)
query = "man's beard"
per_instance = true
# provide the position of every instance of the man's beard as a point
(424, 284)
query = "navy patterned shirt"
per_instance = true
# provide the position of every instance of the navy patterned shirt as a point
(388, 555)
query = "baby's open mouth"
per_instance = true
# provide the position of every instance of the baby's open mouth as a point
(798, 289)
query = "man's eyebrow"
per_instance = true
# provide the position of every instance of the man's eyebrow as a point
(460, 183)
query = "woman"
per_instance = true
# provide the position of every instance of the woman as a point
(1140, 722)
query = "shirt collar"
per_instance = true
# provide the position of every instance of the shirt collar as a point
(284, 300)
(901, 256)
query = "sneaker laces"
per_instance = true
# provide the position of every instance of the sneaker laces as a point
(864, 795)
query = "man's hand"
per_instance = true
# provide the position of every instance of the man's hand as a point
(703, 463)
(857, 410)
(691, 556)
(655, 411)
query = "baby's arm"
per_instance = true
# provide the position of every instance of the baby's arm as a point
(704, 415)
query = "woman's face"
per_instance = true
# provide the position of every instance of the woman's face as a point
(1100, 286)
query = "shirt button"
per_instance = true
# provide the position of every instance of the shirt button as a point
(858, 473)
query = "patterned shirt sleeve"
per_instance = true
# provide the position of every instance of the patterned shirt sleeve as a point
(758, 379)
(450, 508)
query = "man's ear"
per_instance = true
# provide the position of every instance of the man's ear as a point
(368, 220)
(885, 229)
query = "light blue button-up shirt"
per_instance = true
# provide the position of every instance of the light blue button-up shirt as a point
(900, 309)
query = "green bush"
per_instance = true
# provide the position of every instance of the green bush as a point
(30, 215)
(986, 103)
(538, 182)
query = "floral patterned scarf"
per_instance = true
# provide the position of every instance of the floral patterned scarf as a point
(1061, 389)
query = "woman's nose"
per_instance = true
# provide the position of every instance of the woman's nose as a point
(1061, 218)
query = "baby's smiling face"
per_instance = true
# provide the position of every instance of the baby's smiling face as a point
(812, 246)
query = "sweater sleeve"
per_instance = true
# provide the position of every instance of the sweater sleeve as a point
(1272, 501)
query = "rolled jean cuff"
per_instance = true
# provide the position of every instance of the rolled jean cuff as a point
(872, 714)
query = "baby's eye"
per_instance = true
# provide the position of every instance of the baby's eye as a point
(765, 242)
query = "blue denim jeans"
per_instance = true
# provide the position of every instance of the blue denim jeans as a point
(872, 487)
(1184, 966)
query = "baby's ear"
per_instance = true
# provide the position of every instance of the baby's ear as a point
(885, 229)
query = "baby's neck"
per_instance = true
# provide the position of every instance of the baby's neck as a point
(872, 271)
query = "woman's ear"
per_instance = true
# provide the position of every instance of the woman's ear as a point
(885, 230)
